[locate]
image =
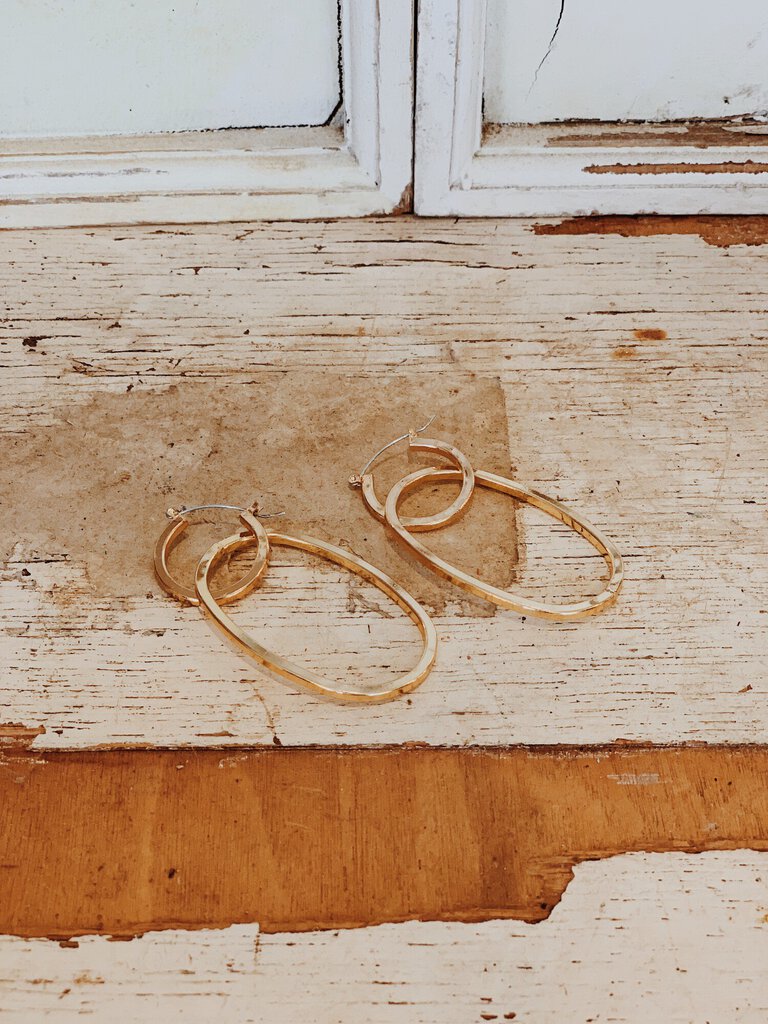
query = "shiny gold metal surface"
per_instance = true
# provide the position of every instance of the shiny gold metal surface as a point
(305, 677)
(171, 536)
(420, 524)
(575, 610)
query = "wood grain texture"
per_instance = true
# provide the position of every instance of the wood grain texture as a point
(658, 438)
(632, 369)
(122, 842)
(672, 937)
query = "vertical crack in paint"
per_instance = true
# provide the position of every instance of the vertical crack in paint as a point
(549, 47)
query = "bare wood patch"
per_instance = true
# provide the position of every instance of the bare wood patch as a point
(120, 842)
(107, 469)
(700, 134)
(715, 230)
(15, 735)
(724, 167)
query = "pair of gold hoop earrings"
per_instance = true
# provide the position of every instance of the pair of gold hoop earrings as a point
(202, 595)
(403, 528)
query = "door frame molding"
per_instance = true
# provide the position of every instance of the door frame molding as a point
(360, 166)
(463, 170)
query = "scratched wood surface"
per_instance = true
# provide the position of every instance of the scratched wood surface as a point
(643, 937)
(631, 371)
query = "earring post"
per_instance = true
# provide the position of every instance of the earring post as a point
(381, 451)
(254, 510)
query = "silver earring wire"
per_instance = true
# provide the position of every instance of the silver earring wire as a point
(254, 510)
(356, 479)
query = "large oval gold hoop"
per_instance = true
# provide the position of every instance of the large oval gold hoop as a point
(305, 677)
(420, 524)
(171, 536)
(576, 610)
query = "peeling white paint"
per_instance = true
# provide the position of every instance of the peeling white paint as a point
(672, 938)
(636, 779)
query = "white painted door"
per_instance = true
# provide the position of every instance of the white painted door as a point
(559, 60)
(552, 107)
(203, 110)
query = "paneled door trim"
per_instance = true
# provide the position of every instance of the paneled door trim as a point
(462, 169)
(358, 167)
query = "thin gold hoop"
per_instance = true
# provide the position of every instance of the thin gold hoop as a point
(421, 524)
(171, 536)
(575, 610)
(304, 677)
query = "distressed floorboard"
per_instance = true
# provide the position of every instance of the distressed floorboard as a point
(300, 839)
(618, 364)
(643, 937)
(632, 368)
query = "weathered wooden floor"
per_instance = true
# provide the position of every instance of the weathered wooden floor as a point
(620, 367)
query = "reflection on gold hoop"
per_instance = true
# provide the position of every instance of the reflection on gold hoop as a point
(305, 677)
(503, 598)
(171, 536)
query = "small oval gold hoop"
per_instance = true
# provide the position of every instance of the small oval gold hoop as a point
(305, 677)
(171, 536)
(421, 524)
(575, 610)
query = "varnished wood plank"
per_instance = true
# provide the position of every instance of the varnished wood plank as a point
(122, 842)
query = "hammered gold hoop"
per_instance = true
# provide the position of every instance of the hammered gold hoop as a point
(420, 524)
(171, 536)
(575, 610)
(305, 677)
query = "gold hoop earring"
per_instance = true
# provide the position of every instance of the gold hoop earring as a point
(575, 610)
(420, 524)
(171, 536)
(304, 677)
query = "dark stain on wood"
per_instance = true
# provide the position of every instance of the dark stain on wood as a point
(106, 470)
(721, 231)
(123, 841)
(650, 334)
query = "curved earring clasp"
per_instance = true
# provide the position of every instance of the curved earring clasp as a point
(354, 481)
(421, 524)
(171, 536)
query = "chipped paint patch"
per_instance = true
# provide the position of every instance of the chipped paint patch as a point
(725, 167)
(15, 735)
(722, 231)
(650, 334)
